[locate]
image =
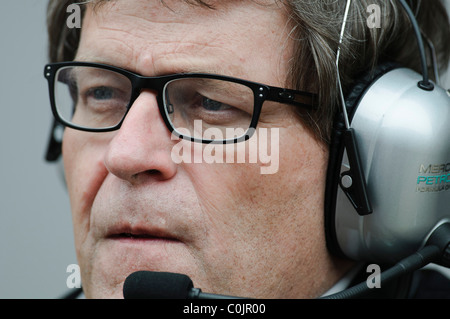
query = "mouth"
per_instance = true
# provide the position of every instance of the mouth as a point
(132, 236)
(145, 247)
(135, 235)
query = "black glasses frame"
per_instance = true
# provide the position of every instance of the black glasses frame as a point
(261, 93)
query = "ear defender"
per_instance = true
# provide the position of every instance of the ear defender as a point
(53, 151)
(403, 136)
(388, 188)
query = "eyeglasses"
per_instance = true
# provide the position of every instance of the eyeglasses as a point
(203, 108)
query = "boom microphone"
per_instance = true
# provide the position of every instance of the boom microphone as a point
(164, 285)
(156, 285)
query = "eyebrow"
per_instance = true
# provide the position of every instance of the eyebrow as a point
(96, 59)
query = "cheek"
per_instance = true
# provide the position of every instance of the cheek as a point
(252, 219)
(235, 195)
(85, 172)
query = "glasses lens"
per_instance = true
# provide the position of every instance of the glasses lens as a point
(209, 109)
(91, 97)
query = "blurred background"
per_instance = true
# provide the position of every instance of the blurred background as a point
(36, 237)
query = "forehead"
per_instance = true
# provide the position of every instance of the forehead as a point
(137, 34)
(204, 3)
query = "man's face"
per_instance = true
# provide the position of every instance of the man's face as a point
(230, 228)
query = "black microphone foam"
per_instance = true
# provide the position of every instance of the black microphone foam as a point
(157, 285)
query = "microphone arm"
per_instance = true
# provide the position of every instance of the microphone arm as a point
(410, 263)
(196, 293)
(436, 250)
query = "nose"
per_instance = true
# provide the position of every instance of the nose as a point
(142, 146)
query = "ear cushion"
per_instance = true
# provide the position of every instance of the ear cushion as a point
(336, 150)
(364, 83)
(54, 143)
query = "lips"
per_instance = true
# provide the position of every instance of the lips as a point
(126, 232)
(133, 236)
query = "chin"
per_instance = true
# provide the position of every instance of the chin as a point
(104, 293)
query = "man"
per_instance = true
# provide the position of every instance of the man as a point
(139, 202)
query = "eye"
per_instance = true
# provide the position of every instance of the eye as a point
(101, 93)
(212, 105)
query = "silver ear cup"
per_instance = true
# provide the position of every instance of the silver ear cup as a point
(403, 135)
